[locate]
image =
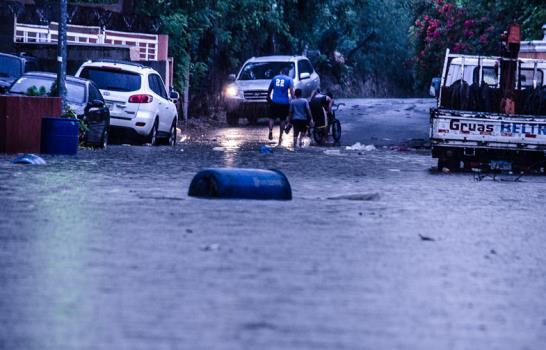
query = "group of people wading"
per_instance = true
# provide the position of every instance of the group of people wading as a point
(293, 111)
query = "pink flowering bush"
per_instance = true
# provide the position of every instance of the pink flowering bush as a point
(448, 26)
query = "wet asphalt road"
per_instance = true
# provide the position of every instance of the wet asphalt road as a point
(106, 250)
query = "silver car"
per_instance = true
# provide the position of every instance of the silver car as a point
(246, 94)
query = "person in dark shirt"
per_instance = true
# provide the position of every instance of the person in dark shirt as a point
(299, 116)
(280, 90)
(321, 109)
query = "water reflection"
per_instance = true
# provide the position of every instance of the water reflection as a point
(231, 140)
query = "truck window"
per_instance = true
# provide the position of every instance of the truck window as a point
(455, 73)
(471, 74)
(526, 77)
(490, 76)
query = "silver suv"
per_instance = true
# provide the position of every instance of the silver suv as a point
(246, 95)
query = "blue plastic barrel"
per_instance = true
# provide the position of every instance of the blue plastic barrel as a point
(234, 183)
(29, 158)
(60, 136)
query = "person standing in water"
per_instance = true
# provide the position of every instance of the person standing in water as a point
(299, 117)
(280, 90)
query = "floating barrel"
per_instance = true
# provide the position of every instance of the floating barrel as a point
(237, 183)
(60, 136)
(29, 158)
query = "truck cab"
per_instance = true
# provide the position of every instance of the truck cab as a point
(470, 127)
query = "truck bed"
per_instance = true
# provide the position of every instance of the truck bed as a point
(467, 129)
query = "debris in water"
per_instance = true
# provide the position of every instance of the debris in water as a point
(358, 197)
(360, 147)
(29, 158)
(445, 170)
(333, 152)
(211, 247)
(265, 149)
(425, 238)
(402, 149)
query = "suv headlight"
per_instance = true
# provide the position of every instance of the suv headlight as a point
(233, 91)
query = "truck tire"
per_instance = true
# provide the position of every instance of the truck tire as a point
(450, 163)
(232, 119)
(252, 120)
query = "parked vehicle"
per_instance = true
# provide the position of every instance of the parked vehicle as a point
(12, 67)
(246, 94)
(476, 124)
(137, 99)
(83, 98)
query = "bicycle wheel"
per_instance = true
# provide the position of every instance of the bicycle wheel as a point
(318, 135)
(336, 130)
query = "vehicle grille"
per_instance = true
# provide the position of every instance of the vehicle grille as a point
(255, 95)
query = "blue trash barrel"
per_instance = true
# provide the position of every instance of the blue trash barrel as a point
(60, 136)
(234, 183)
(29, 158)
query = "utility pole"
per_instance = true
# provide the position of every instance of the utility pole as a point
(62, 53)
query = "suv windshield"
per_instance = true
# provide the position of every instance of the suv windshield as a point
(112, 79)
(75, 93)
(265, 70)
(10, 67)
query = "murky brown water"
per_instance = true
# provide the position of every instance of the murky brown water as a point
(106, 251)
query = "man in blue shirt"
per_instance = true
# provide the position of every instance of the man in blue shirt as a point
(280, 90)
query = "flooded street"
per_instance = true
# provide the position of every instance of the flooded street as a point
(375, 251)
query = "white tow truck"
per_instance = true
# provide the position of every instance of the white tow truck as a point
(491, 114)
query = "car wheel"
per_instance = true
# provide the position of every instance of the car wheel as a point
(232, 119)
(152, 136)
(172, 134)
(318, 136)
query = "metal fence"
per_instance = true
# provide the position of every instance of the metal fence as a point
(145, 44)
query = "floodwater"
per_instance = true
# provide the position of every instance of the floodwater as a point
(375, 251)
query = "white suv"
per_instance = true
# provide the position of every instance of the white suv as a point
(136, 97)
(246, 95)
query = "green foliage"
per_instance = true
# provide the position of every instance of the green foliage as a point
(467, 26)
(94, 1)
(35, 91)
(397, 43)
